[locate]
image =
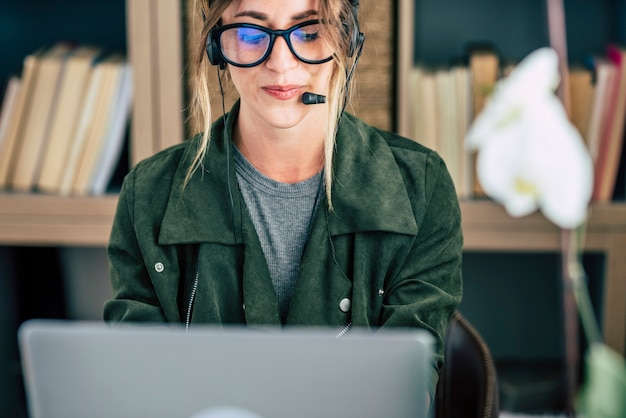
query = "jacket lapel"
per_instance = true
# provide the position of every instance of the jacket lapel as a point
(203, 211)
(368, 193)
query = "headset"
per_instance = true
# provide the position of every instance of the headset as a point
(353, 32)
(356, 36)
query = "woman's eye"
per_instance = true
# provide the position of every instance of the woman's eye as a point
(311, 36)
(307, 36)
(251, 37)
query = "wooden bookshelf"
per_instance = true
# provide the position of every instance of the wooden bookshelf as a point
(42, 220)
(32, 220)
(35, 220)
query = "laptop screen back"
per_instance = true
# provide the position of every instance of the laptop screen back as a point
(90, 369)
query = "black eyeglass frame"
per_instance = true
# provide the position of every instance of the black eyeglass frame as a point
(216, 34)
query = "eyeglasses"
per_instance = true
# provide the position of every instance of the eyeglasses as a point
(247, 45)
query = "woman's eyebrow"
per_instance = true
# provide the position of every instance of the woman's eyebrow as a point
(305, 14)
(252, 13)
(262, 16)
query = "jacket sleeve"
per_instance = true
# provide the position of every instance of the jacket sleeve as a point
(428, 287)
(134, 297)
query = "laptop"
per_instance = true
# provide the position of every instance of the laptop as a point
(92, 369)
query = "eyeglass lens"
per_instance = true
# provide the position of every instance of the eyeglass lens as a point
(249, 45)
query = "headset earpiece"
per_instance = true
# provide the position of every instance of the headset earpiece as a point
(213, 51)
(212, 47)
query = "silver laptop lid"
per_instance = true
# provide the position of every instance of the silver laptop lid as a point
(89, 369)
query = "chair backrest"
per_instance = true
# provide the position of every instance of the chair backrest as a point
(468, 384)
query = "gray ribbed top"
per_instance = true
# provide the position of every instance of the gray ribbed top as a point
(282, 214)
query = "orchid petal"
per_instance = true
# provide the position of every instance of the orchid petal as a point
(498, 170)
(531, 156)
(562, 165)
(535, 77)
(537, 73)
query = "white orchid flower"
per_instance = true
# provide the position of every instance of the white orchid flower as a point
(530, 155)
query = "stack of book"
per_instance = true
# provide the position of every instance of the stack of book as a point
(63, 121)
(607, 114)
(444, 102)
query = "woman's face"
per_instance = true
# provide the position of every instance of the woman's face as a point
(271, 92)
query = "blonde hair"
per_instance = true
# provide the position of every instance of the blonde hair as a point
(342, 21)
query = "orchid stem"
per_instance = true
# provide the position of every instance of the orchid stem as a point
(579, 285)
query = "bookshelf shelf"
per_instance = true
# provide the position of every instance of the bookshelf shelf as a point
(487, 226)
(32, 219)
(42, 220)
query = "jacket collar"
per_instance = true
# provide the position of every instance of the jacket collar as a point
(375, 199)
(203, 210)
(369, 192)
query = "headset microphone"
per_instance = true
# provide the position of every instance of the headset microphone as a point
(312, 98)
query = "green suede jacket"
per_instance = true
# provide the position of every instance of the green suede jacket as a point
(387, 255)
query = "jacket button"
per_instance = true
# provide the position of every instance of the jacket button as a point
(345, 304)
(159, 267)
(381, 292)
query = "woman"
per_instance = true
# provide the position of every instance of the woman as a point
(286, 213)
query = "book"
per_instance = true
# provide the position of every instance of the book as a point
(95, 90)
(8, 109)
(447, 120)
(620, 182)
(464, 103)
(605, 73)
(427, 110)
(113, 67)
(30, 70)
(611, 143)
(440, 103)
(413, 84)
(113, 141)
(484, 65)
(72, 91)
(582, 91)
(32, 141)
(141, 50)
(169, 53)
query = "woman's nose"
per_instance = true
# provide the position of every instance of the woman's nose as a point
(281, 58)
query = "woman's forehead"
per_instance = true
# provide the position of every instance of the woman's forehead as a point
(272, 10)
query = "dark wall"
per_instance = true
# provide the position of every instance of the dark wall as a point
(26, 26)
(515, 28)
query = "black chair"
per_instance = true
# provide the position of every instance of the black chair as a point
(468, 384)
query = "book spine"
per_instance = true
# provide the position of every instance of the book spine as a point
(141, 46)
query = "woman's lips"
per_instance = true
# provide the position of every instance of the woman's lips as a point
(284, 92)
